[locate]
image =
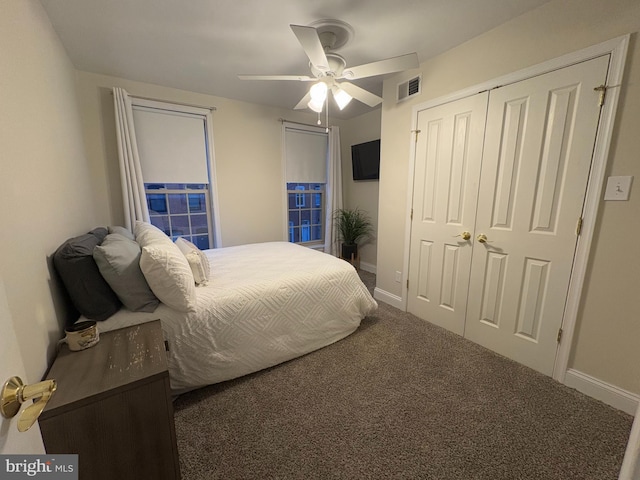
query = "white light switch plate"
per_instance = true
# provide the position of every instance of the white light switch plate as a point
(618, 188)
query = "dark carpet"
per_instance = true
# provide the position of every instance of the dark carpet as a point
(399, 398)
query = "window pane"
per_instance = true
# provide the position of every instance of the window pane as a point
(199, 224)
(292, 200)
(180, 225)
(197, 202)
(153, 186)
(178, 203)
(294, 218)
(157, 203)
(162, 222)
(316, 216)
(306, 212)
(296, 234)
(305, 231)
(201, 241)
(176, 186)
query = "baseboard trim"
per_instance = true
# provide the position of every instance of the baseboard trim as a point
(389, 298)
(605, 392)
(368, 267)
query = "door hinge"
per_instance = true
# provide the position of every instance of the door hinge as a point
(407, 284)
(411, 215)
(579, 227)
(417, 132)
(603, 93)
(559, 335)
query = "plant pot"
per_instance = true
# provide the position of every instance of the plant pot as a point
(349, 251)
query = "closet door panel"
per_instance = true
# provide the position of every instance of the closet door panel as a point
(447, 172)
(535, 167)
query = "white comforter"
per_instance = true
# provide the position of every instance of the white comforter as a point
(265, 304)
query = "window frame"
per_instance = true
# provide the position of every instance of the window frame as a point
(312, 193)
(316, 244)
(215, 235)
(183, 191)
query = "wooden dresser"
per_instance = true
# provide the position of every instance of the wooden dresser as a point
(113, 407)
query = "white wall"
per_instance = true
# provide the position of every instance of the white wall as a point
(606, 342)
(47, 189)
(362, 194)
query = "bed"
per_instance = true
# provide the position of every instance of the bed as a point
(263, 304)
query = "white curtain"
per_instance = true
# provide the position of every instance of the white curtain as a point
(133, 196)
(334, 192)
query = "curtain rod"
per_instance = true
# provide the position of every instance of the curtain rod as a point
(282, 120)
(213, 109)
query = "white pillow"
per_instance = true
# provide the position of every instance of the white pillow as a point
(197, 259)
(168, 273)
(147, 234)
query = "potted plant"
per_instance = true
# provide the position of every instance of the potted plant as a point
(352, 225)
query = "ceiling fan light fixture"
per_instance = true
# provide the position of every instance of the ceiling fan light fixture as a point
(341, 97)
(316, 106)
(318, 92)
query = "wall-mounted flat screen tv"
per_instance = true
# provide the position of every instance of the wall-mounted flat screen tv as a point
(365, 160)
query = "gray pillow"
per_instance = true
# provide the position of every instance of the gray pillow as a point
(90, 293)
(99, 233)
(118, 259)
(122, 231)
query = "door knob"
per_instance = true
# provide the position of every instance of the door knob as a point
(482, 238)
(14, 393)
(464, 235)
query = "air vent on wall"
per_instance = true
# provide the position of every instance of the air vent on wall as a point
(409, 88)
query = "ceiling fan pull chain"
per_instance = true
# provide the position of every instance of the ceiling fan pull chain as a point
(327, 109)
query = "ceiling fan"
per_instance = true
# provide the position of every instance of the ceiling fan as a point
(320, 40)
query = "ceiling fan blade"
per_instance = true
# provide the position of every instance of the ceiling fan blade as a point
(303, 103)
(360, 94)
(310, 41)
(395, 64)
(299, 78)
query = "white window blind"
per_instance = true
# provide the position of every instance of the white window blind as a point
(305, 154)
(172, 146)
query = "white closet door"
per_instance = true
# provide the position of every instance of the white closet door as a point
(447, 170)
(537, 156)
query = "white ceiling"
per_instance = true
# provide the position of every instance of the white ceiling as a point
(202, 45)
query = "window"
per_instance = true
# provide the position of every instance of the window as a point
(306, 149)
(300, 197)
(306, 212)
(181, 210)
(173, 143)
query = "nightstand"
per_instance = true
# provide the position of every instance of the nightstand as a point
(113, 407)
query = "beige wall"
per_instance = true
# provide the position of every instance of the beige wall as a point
(247, 148)
(606, 340)
(362, 194)
(47, 189)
